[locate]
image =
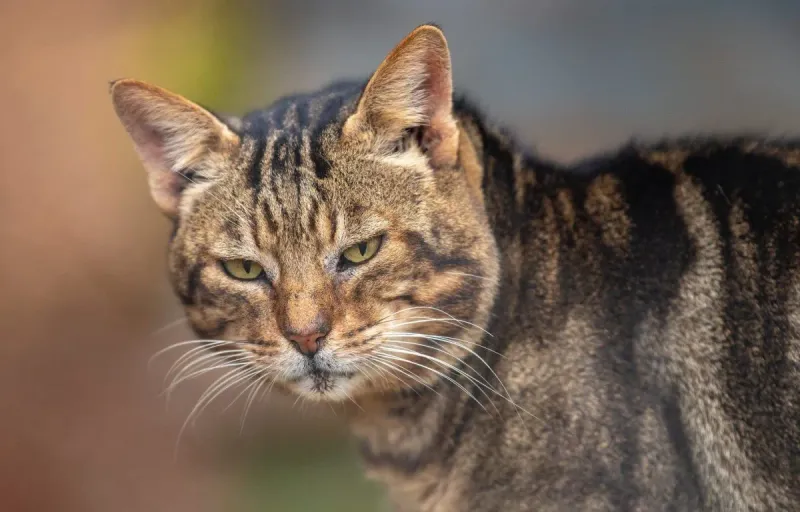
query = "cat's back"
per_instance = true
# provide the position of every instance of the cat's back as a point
(663, 285)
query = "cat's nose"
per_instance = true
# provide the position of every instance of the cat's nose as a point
(308, 341)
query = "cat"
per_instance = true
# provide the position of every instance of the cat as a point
(507, 333)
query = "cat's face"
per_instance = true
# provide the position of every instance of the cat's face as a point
(335, 244)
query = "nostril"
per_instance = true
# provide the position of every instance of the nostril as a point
(307, 344)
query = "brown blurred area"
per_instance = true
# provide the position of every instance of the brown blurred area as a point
(82, 281)
(82, 273)
(79, 429)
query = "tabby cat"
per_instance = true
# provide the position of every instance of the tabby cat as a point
(517, 335)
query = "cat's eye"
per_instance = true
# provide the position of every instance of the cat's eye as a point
(362, 251)
(245, 270)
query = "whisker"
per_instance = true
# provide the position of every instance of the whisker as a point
(351, 399)
(468, 275)
(193, 357)
(246, 388)
(171, 388)
(394, 367)
(184, 343)
(451, 341)
(437, 348)
(178, 375)
(169, 326)
(439, 374)
(450, 338)
(450, 367)
(206, 400)
(506, 397)
(250, 399)
(189, 417)
(448, 315)
(379, 371)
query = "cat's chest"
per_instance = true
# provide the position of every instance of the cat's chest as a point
(408, 456)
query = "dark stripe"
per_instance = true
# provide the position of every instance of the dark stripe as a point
(402, 462)
(329, 113)
(313, 210)
(278, 160)
(213, 332)
(688, 480)
(192, 284)
(302, 113)
(254, 174)
(441, 262)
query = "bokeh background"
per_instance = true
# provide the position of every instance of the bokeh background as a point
(82, 277)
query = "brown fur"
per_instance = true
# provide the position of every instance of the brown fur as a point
(618, 336)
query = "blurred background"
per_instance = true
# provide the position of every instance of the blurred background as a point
(83, 285)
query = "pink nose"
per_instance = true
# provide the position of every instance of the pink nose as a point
(308, 343)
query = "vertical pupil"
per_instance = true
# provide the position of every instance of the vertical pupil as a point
(362, 248)
(247, 265)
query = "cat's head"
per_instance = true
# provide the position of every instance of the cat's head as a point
(335, 243)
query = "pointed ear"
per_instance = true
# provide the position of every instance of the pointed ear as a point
(411, 96)
(178, 141)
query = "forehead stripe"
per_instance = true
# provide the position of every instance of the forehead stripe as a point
(254, 173)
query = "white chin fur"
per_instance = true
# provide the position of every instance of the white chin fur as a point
(336, 389)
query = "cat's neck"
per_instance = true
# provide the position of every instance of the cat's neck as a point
(542, 221)
(525, 200)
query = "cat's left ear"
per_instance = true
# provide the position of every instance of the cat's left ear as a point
(177, 140)
(411, 95)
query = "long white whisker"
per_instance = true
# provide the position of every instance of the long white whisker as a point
(506, 397)
(195, 355)
(439, 374)
(437, 348)
(351, 399)
(448, 315)
(197, 358)
(171, 388)
(184, 343)
(263, 370)
(394, 367)
(451, 341)
(169, 326)
(449, 366)
(234, 363)
(380, 372)
(450, 338)
(238, 377)
(222, 355)
(468, 275)
(250, 399)
(197, 405)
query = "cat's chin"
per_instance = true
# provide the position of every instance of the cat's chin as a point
(325, 386)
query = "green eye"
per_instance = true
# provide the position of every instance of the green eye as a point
(361, 252)
(245, 270)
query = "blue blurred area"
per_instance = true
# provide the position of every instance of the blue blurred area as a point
(571, 76)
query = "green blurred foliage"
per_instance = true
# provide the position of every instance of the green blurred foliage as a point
(203, 53)
(323, 475)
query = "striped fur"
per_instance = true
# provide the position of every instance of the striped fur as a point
(644, 307)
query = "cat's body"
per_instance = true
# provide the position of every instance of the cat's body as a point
(623, 335)
(648, 316)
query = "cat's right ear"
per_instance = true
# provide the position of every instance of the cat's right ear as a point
(174, 138)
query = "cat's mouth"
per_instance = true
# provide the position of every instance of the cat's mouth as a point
(318, 374)
(318, 381)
